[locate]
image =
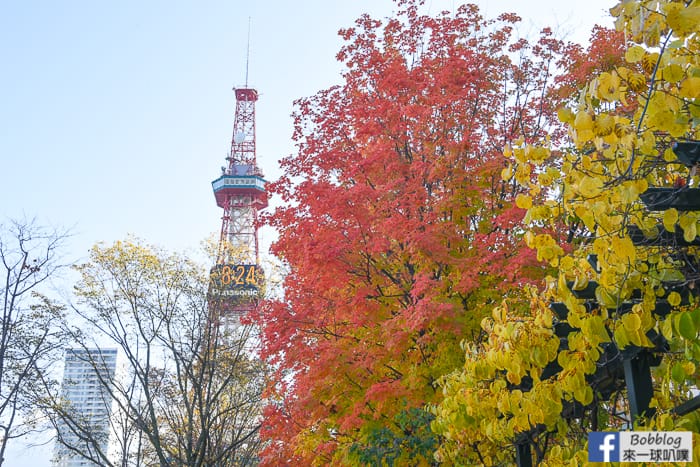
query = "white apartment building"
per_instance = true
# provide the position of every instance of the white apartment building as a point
(84, 377)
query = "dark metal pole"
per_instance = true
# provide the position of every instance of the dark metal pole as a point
(639, 386)
(687, 407)
(523, 455)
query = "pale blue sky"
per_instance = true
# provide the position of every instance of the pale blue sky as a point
(116, 116)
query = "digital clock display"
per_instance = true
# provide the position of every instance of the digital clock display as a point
(237, 283)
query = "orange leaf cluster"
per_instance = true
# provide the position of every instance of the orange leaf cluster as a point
(398, 229)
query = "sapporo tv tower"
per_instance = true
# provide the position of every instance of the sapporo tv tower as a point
(237, 280)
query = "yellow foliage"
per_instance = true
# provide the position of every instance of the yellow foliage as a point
(670, 217)
(583, 121)
(690, 88)
(690, 232)
(674, 299)
(649, 61)
(637, 82)
(507, 173)
(683, 21)
(635, 54)
(590, 187)
(614, 156)
(566, 115)
(608, 87)
(624, 249)
(523, 201)
(604, 124)
(672, 73)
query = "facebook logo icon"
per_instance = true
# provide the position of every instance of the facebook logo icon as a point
(603, 446)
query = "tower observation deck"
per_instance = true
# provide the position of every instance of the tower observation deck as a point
(237, 280)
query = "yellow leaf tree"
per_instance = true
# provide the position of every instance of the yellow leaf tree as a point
(188, 390)
(626, 272)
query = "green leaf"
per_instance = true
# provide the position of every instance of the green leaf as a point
(677, 373)
(669, 275)
(667, 328)
(695, 315)
(686, 327)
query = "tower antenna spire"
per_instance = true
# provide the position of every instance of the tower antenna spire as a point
(247, 55)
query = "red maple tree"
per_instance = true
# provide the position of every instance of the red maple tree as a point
(397, 227)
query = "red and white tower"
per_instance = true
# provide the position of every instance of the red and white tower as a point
(237, 279)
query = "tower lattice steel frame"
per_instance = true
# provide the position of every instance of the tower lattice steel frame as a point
(240, 192)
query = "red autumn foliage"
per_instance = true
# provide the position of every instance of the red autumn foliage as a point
(605, 52)
(397, 228)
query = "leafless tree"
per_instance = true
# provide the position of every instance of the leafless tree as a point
(29, 334)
